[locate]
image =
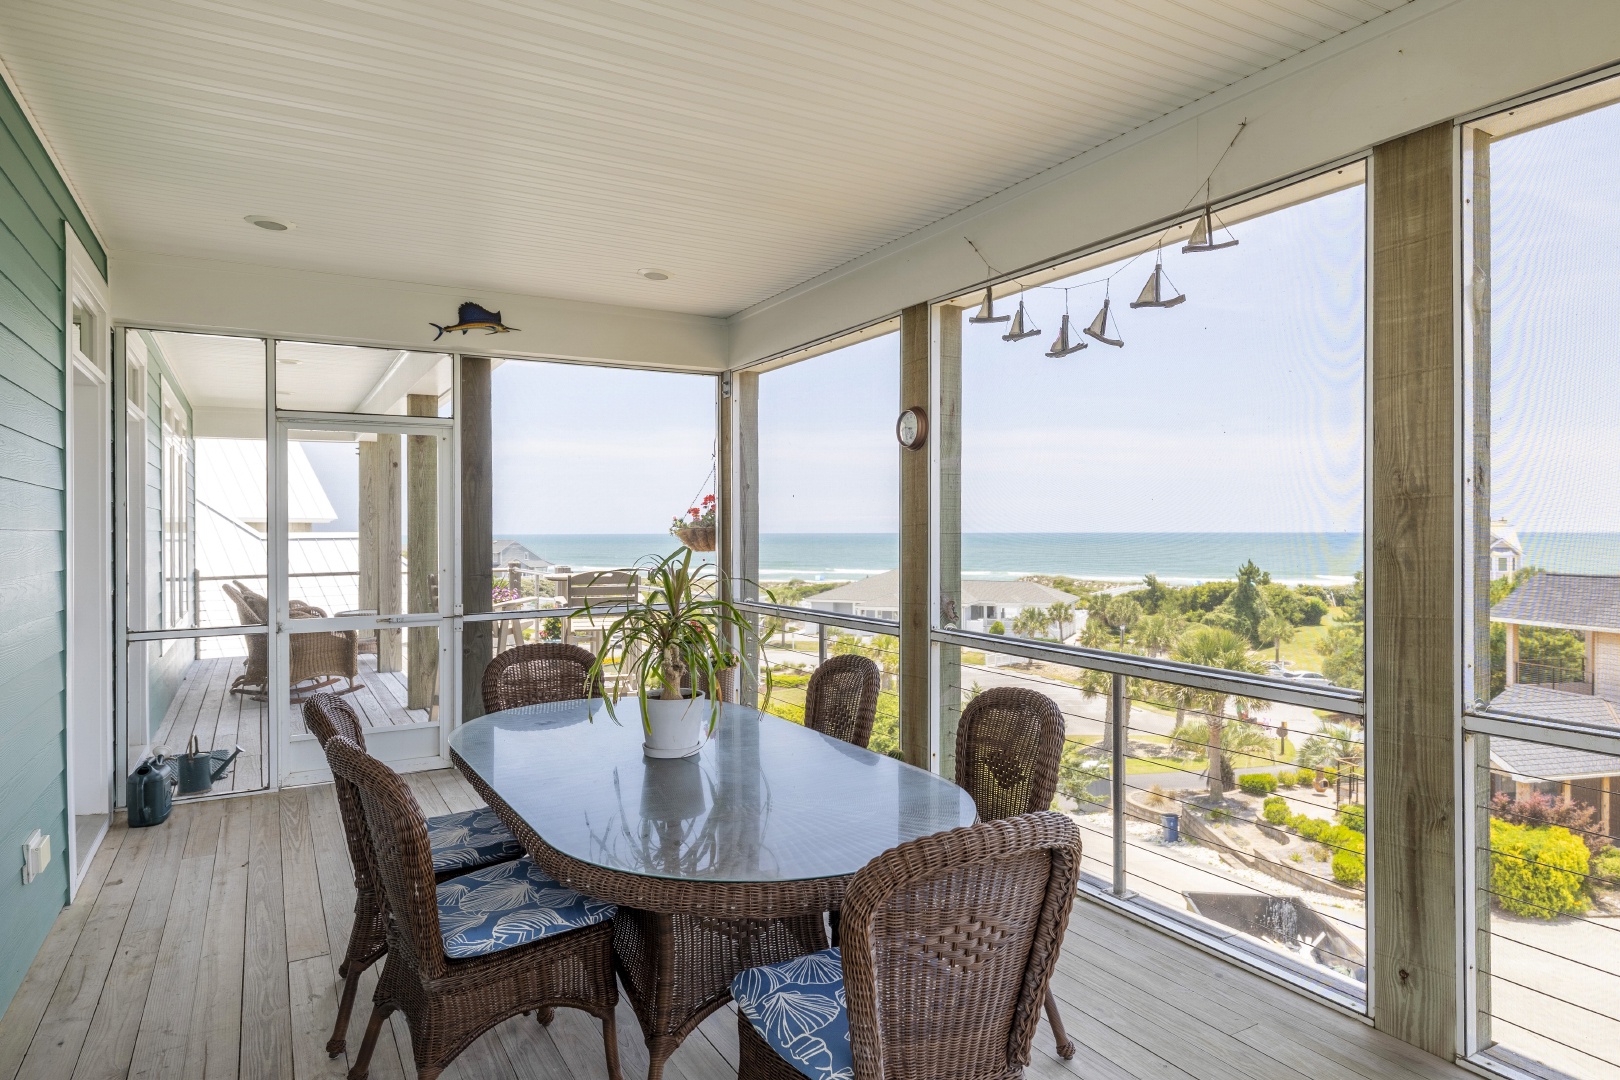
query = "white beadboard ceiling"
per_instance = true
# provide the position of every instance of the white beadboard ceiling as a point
(554, 148)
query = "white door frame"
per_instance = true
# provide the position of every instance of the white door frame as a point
(409, 747)
(88, 670)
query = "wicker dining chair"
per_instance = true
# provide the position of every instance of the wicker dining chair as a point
(1009, 743)
(951, 941)
(460, 843)
(497, 943)
(841, 699)
(539, 673)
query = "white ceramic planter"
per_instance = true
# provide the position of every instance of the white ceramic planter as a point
(676, 729)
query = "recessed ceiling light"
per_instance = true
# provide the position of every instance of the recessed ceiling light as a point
(268, 224)
(653, 275)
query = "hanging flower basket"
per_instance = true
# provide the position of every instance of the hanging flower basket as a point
(696, 530)
(696, 537)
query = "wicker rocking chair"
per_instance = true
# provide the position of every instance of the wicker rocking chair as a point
(321, 657)
(953, 940)
(1009, 743)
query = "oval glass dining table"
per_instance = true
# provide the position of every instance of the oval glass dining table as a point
(719, 862)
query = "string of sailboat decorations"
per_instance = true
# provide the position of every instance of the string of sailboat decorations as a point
(1157, 292)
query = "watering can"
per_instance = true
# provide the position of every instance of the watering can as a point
(200, 768)
(150, 792)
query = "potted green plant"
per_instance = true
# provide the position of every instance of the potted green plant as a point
(673, 640)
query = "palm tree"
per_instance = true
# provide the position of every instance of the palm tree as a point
(1212, 647)
(1277, 630)
(1031, 623)
(1157, 634)
(1060, 613)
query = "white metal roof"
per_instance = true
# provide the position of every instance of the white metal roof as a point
(555, 148)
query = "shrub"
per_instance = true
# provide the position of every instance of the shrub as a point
(1257, 783)
(1310, 828)
(1078, 770)
(1537, 871)
(1349, 868)
(1606, 867)
(1285, 778)
(1535, 809)
(1275, 810)
(1353, 816)
(1312, 610)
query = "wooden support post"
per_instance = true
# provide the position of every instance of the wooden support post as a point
(422, 551)
(380, 521)
(739, 502)
(477, 531)
(1477, 245)
(1411, 611)
(916, 601)
(947, 428)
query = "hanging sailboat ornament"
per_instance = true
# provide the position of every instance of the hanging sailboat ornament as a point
(987, 310)
(1064, 343)
(1203, 237)
(1021, 327)
(1099, 328)
(1153, 294)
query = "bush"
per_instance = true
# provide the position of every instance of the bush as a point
(1257, 783)
(1535, 809)
(1312, 610)
(1606, 867)
(1285, 778)
(1353, 816)
(1349, 868)
(1275, 810)
(997, 627)
(1309, 827)
(1537, 871)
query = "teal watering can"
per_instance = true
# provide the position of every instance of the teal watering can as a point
(200, 768)
(150, 792)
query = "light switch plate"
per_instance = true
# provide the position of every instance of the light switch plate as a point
(36, 856)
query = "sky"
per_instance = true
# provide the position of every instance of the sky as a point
(1555, 326)
(1241, 410)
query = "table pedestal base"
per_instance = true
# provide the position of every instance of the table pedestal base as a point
(677, 969)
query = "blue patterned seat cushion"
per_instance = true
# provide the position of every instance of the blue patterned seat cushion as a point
(510, 904)
(470, 839)
(798, 1009)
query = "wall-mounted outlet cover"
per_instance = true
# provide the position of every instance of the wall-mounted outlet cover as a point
(36, 856)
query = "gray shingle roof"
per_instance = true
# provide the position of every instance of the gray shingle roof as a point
(884, 590)
(1536, 761)
(1574, 601)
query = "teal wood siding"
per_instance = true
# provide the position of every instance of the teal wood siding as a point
(35, 210)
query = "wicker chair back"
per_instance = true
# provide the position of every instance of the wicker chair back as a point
(539, 673)
(1008, 746)
(396, 841)
(949, 944)
(841, 699)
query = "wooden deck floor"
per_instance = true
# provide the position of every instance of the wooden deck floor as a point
(205, 707)
(207, 948)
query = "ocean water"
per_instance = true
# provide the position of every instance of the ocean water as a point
(1177, 558)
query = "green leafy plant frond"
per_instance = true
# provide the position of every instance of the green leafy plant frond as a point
(679, 630)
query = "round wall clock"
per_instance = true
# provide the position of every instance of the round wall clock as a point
(912, 428)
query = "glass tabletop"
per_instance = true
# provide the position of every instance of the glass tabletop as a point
(765, 800)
